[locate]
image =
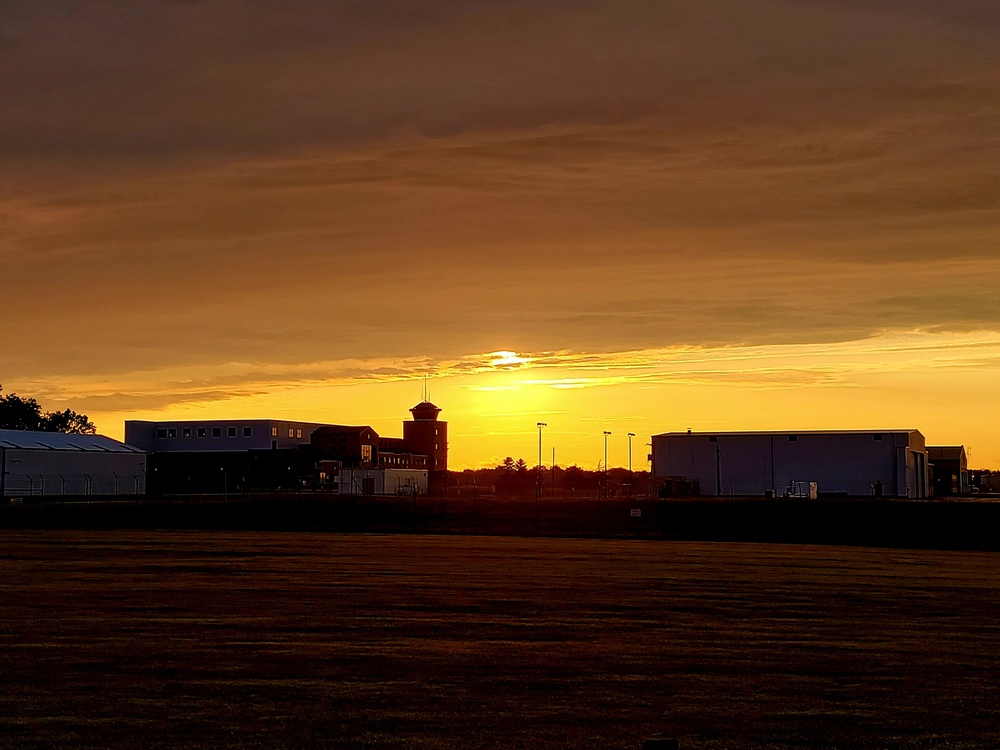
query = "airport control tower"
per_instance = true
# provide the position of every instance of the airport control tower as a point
(428, 435)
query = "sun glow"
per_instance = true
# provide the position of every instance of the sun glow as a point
(507, 359)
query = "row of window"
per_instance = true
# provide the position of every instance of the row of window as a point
(186, 432)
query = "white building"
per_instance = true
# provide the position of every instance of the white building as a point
(355, 481)
(856, 463)
(53, 463)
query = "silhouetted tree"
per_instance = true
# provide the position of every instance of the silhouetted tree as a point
(18, 413)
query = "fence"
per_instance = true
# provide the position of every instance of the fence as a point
(48, 485)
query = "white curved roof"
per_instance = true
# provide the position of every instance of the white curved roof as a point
(59, 441)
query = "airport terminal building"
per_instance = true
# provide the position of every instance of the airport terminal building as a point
(241, 455)
(850, 463)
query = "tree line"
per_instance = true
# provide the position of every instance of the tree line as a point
(17, 413)
(516, 478)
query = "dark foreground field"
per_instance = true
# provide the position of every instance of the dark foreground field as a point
(269, 640)
(854, 522)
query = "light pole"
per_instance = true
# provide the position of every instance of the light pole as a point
(538, 476)
(630, 492)
(606, 434)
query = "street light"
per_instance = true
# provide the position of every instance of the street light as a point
(630, 492)
(538, 476)
(606, 433)
(540, 426)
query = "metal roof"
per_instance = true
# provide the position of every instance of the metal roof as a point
(946, 452)
(752, 433)
(343, 429)
(59, 441)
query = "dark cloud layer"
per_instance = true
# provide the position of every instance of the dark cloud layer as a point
(199, 182)
(152, 78)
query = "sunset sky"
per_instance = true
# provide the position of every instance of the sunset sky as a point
(627, 216)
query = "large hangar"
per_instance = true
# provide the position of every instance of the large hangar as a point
(855, 463)
(54, 463)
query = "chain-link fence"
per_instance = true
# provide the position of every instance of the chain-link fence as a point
(48, 485)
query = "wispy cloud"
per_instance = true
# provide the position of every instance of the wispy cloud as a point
(752, 367)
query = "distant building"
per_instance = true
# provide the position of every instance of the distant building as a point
(890, 463)
(427, 435)
(264, 454)
(224, 455)
(423, 449)
(362, 447)
(217, 435)
(950, 469)
(54, 463)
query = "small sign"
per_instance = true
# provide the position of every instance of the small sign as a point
(636, 512)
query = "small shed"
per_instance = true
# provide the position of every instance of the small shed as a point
(950, 467)
(54, 463)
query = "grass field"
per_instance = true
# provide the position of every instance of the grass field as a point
(291, 640)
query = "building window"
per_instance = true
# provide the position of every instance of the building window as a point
(877, 437)
(713, 439)
(248, 432)
(202, 432)
(186, 432)
(274, 432)
(161, 432)
(435, 446)
(435, 432)
(171, 432)
(366, 453)
(231, 432)
(216, 432)
(793, 438)
(298, 434)
(291, 432)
